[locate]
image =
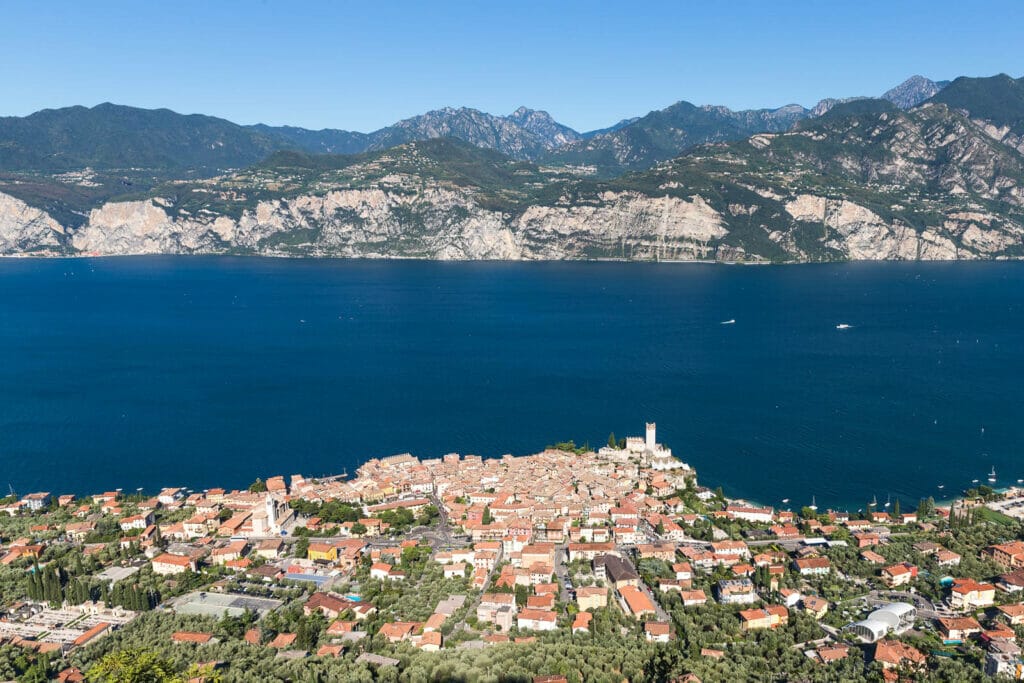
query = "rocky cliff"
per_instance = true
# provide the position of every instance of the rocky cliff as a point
(436, 223)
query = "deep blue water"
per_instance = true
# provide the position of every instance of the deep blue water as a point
(144, 372)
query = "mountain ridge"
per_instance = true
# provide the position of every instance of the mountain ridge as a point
(867, 179)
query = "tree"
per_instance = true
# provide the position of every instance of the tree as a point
(258, 486)
(358, 529)
(612, 443)
(487, 519)
(896, 508)
(133, 666)
(303, 637)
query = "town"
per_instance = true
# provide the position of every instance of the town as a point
(572, 564)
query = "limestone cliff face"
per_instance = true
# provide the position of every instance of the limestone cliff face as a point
(434, 223)
(26, 230)
(442, 223)
(371, 223)
(624, 225)
(860, 234)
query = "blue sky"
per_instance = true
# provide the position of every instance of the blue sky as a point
(360, 66)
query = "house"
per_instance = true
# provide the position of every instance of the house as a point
(1012, 614)
(899, 574)
(581, 622)
(397, 631)
(733, 548)
(616, 570)
(1011, 582)
(322, 552)
(232, 551)
(37, 501)
(969, 594)
(588, 551)
(826, 654)
(656, 551)
(546, 601)
(497, 608)
(139, 522)
(635, 602)
(892, 654)
(456, 570)
(790, 596)
(330, 651)
(683, 571)
(196, 637)
(693, 598)
(1003, 658)
(435, 622)
(173, 564)
(380, 570)
(1008, 554)
(750, 514)
(328, 604)
(270, 549)
(537, 619)
(867, 539)
(815, 606)
(771, 616)
(736, 592)
(657, 631)
(169, 496)
(872, 557)
(77, 531)
(429, 641)
(591, 597)
(283, 641)
(813, 566)
(958, 629)
(947, 558)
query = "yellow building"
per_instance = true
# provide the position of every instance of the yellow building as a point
(323, 552)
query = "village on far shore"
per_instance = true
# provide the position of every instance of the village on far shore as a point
(460, 553)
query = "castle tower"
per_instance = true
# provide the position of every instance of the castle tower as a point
(650, 442)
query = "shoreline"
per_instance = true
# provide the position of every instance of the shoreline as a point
(398, 258)
(344, 476)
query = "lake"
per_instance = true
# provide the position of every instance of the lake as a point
(200, 372)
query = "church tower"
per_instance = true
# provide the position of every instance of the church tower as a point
(651, 441)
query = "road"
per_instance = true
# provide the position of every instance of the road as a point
(925, 608)
(562, 572)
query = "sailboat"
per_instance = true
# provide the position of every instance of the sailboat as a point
(888, 500)
(814, 504)
(992, 476)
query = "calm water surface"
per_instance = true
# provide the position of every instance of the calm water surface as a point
(144, 372)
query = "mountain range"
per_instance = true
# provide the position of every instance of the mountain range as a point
(926, 170)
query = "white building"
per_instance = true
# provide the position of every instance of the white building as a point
(896, 617)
